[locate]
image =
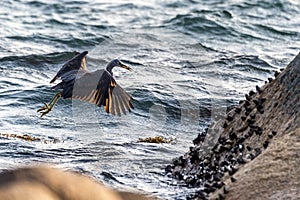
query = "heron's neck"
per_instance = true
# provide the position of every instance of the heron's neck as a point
(109, 69)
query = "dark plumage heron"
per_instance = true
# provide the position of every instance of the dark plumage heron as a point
(98, 87)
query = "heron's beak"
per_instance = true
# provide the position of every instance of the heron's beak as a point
(125, 66)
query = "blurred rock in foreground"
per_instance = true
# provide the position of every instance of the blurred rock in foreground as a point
(36, 183)
(253, 153)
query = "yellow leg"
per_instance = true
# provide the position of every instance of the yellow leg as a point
(48, 107)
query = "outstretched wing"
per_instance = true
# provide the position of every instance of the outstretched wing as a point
(71, 67)
(100, 88)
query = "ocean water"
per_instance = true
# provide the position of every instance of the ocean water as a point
(191, 59)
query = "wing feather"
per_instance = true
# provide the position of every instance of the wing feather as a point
(117, 105)
(111, 104)
(106, 106)
(121, 103)
(124, 97)
(100, 88)
(71, 67)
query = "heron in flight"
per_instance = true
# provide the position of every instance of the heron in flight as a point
(98, 87)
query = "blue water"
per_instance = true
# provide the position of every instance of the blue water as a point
(190, 59)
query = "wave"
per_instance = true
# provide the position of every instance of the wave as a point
(200, 24)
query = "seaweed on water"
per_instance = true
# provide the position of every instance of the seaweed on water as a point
(29, 138)
(157, 140)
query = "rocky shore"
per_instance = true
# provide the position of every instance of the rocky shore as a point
(257, 153)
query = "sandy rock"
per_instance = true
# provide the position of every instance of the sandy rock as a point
(275, 174)
(47, 183)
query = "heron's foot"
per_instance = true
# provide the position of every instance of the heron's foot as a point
(44, 110)
(48, 107)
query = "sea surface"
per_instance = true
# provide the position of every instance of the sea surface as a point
(191, 59)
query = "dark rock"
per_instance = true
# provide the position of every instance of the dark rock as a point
(251, 121)
(247, 112)
(258, 89)
(259, 101)
(270, 136)
(168, 169)
(224, 163)
(194, 157)
(238, 110)
(232, 136)
(200, 138)
(240, 160)
(251, 93)
(257, 151)
(246, 104)
(221, 197)
(232, 171)
(234, 150)
(241, 147)
(209, 189)
(274, 133)
(248, 98)
(261, 111)
(218, 184)
(240, 140)
(229, 118)
(218, 157)
(248, 148)
(270, 80)
(232, 159)
(262, 100)
(232, 179)
(258, 130)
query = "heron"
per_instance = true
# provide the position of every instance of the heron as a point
(98, 87)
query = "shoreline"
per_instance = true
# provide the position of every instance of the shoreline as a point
(251, 131)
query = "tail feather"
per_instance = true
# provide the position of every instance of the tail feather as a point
(54, 79)
(58, 86)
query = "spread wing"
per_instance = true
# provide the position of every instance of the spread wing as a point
(100, 88)
(70, 69)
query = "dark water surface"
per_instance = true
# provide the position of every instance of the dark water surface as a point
(189, 58)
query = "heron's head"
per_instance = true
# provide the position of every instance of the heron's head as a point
(116, 63)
